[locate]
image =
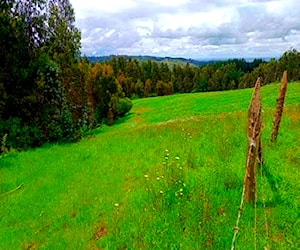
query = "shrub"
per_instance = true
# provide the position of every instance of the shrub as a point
(19, 135)
(124, 106)
(3, 148)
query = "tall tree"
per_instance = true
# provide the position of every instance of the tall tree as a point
(15, 57)
(64, 37)
(290, 61)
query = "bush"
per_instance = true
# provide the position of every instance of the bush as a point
(19, 135)
(3, 148)
(124, 106)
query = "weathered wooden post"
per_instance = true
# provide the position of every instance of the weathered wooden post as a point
(279, 107)
(254, 144)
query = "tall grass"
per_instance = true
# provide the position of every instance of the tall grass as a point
(168, 176)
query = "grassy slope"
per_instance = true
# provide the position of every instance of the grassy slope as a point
(119, 187)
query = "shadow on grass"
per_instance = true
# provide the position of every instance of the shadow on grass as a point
(123, 119)
(274, 182)
(4, 163)
(68, 143)
(103, 127)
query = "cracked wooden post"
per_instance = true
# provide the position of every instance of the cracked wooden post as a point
(279, 107)
(260, 155)
(254, 144)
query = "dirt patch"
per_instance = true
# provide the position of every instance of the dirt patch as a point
(73, 214)
(179, 120)
(140, 110)
(137, 119)
(294, 117)
(128, 183)
(101, 232)
(29, 246)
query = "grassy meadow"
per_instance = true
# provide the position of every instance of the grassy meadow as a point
(167, 176)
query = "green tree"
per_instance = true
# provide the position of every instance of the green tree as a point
(139, 88)
(165, 72)
(290, 61)
(146, 69)
(36, 46)
(177, 78)
(64, 38)
(156, 75)
(188, 79)
(15, 59)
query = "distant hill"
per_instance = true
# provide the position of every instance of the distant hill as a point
(169, 60)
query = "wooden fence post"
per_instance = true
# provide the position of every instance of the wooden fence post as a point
(279, 107)
(254, 144)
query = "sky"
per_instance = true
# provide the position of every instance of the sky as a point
(197, 29)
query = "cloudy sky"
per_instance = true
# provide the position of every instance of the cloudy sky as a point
(188, 28)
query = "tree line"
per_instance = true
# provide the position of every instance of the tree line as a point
(49, 93)
(144, 78)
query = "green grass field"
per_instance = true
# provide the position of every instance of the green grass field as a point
(167, 176)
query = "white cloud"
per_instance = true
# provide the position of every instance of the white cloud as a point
(168, 3)
(189, 28)
(94, 7)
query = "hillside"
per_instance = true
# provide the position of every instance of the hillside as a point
(174, 60)
(166, 176)
(170, 60)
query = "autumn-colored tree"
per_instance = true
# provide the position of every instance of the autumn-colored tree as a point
(168, 88)
(110, 116)
(147, 88)
(87, 75)
(126, 87)
(122, 81)
(160, 88)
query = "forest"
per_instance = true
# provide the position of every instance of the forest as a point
(49, 92)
